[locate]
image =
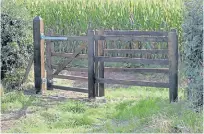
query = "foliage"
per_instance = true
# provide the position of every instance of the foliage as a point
(16, 45)
(193, 50)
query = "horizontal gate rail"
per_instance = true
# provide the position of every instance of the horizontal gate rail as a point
(69, 55)
(131, 38)
(132, 60)
(70, 77)
(137, 70)
(131, 82)
(134, 51)
(115, 69)
(72, 68)
(124, 51)
(82, 90)
(135, 33)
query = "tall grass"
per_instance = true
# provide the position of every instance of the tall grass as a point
(74, 16)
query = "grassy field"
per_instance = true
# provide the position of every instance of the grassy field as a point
(134, 109)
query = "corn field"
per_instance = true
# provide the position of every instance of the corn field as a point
(74, 17)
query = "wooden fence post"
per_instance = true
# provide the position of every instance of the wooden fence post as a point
(91, 78)
(101, 63)
(96, 65)
(173, 65)
(49, 69)
(39, 63)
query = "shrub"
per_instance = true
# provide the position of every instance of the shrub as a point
(16, 46)
(193, 50)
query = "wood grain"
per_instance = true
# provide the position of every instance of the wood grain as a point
(133, 82)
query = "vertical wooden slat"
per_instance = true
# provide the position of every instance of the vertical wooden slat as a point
(101, 63)
(173, 65)
(91, 82)
(49, 63)
(96, 66)
(39, 67)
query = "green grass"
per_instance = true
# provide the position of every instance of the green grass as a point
(134, 109)
(15, 100)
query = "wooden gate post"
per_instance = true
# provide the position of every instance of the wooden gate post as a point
(39, 64)
(173, 65)
(101, 63)
(96, 65)
(99, 66)
(91, 78)
(49, 62)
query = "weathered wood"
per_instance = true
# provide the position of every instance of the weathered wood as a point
(72, 69)
(135, 33)
(71, 77)
(39, 67)
(134, 51)
(132, 60)
(115, 69)
(49, 63)
(82, 90)
(137, 70)
(135, 83)
(96, 67)
(69, 55)
(173, 65)
(101, 64)
(63, 65)
(131, 38)
(91, 81)
(27, 69)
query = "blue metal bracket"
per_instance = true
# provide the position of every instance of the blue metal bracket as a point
(52, 38)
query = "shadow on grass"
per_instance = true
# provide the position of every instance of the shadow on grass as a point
(29, 98)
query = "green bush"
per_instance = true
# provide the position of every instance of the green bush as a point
(193, 50)
(16, 46)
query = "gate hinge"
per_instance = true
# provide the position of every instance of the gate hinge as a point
(43, 80)
(50, 81)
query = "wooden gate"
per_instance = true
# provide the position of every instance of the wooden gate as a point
(171, 38)
(96, 58)
(41, 80)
